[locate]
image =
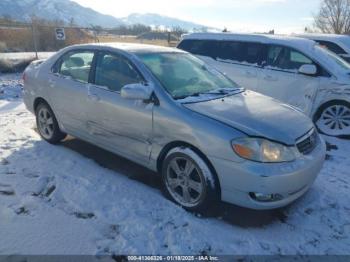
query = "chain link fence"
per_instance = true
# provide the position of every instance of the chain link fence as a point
(21, 43)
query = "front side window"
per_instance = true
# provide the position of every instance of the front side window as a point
(77, 65)
(287, 59)
(184, 75)
(114, 72)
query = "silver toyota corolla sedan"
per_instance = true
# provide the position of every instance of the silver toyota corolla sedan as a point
(163, 108)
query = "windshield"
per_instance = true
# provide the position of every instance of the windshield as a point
(184, 75)
(334, 57)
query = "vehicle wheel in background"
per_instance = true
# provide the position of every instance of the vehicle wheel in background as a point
(47, 124)
(333, 119)
(188, 181)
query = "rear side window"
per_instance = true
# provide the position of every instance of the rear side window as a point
(225, 51)
(284, 58)
(114, 72)
(76, 65)
(230, 51)
(239, 52)
(199, 47)
(332, 47)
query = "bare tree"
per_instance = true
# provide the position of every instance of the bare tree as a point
(178, 31)
(334, 17)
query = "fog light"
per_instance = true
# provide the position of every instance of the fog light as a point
(265, 197)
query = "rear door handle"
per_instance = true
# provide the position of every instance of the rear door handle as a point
(52, 83)
(94, 97)
(250, 74)
(270, 78)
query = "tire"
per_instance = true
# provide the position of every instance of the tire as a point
(333, 119)
(185, 171)
(47, 124)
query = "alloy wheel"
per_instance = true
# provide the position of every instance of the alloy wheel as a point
(335, 120)
(45, 123)
(185, 181)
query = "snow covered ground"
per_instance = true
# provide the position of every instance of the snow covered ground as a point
(24, 55)
(61, 200)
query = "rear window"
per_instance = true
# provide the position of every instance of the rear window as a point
(76, 65)
(225, 51)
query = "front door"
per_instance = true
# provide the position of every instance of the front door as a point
(280, 78)
(122, 125)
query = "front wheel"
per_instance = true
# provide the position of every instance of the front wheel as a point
(333, 119)
(47, 124)
(188, 181)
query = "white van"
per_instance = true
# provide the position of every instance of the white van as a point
(339, 44)
(294, 70)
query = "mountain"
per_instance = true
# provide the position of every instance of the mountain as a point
(66, 10)
(63, 10)
(156, 20)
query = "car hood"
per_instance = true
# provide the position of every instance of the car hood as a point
(256, 115)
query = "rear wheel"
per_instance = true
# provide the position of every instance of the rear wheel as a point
(188, 180)
(333, 119)
(47, 124)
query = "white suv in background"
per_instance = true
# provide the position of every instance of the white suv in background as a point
(293, 70)
(339, 44)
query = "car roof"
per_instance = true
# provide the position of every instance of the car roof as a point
(323, 36)
(342, 40)
(131, 47)
(297, 42)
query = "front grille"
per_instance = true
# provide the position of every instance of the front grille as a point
(308, 143)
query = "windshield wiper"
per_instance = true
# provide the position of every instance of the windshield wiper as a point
(185, 96)
(219, 91)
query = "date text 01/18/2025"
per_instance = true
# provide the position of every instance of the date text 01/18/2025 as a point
(173, 258)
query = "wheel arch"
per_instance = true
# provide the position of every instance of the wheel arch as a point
(167, 148)
(38, 101)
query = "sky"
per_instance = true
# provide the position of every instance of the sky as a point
(284, 16)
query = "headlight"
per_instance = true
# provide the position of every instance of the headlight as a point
(262, 150)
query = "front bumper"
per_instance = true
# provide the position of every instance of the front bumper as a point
(287, 180)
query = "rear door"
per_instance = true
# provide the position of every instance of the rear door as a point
(280, 78)
(122, 125)
(68, 89)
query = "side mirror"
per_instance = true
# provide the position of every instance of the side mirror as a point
(309, 70)
(136, 92)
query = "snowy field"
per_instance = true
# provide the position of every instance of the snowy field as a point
(24, 55)
(82, 200)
